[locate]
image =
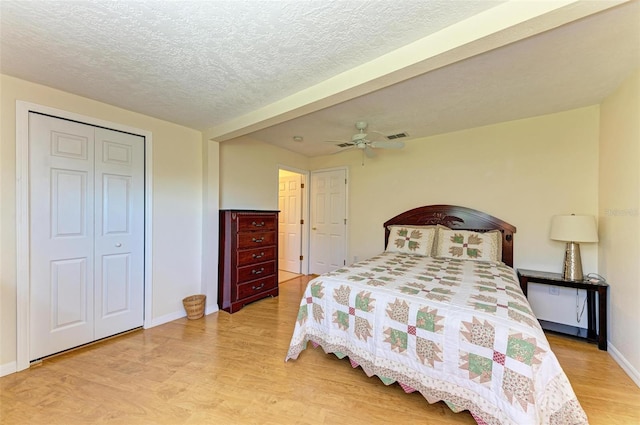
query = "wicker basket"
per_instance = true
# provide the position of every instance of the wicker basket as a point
(194, 306)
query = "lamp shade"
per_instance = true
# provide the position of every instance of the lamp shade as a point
(574, 228)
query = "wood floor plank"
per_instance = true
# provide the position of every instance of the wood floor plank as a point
(230, 369)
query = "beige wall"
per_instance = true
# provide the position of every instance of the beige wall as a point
(210, 223)
(249, 173)
(521, 171)
(177, 201)
(619, 210)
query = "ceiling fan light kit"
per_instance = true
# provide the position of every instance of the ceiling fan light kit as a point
(358, 136)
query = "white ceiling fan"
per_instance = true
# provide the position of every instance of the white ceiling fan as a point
(361, 140)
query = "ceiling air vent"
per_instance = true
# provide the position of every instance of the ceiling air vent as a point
(397, 136)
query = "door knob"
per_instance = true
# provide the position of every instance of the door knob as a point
(313, 228)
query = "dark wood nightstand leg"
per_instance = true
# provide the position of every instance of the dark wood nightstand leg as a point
(592, 334)
(602, 318)
(523, 284)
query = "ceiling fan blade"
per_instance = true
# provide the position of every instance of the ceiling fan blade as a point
(338, 141)
(344, 149)
(388, 144)
(369, 152)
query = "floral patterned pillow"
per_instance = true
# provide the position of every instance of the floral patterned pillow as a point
(411, 239)
(469, 245)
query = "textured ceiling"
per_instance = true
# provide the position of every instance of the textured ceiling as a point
(205, 64)
(200, 63)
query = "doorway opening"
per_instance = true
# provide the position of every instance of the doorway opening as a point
(292, 234)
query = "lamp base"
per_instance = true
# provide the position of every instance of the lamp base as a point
(572, 262)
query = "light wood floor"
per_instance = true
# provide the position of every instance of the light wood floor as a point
(284, 275)
(230, 369)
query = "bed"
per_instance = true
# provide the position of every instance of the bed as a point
(440, 312)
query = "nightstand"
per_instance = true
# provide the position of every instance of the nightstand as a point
(556, 279)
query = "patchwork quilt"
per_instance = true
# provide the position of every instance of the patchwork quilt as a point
(460, 331)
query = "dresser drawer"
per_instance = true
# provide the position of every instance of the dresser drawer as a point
(256, 239)
(255, 271)
(256, 255)
(251, 222)
(257, 286)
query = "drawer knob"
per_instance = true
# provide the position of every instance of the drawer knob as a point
(258, 224)
(258, 255)
(254, 271)
(255, 288)
(259, 240)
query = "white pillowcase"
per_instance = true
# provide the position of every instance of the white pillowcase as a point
(469, 245)
(411, 239)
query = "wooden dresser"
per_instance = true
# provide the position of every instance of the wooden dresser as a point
(248, 266)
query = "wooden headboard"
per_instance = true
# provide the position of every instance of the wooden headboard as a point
(456, 217)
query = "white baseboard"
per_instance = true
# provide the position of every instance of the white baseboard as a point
(157, 321)
(8, 368)
(177, 315)
(624, 364)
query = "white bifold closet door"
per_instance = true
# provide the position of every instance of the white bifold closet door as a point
(86, 233)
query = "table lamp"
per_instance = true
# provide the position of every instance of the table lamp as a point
(573, 229)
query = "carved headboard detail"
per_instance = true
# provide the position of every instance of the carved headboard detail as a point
(456, 217)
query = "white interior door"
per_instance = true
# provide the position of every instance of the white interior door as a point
(119, 232)
(80, 187)
(328, 220)
(61, 205)
(290, 226)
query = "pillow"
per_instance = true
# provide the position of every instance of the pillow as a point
(468, 245)
(439, 228)
(411, 239)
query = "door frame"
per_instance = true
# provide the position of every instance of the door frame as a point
(23, 283)
(304, 266)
